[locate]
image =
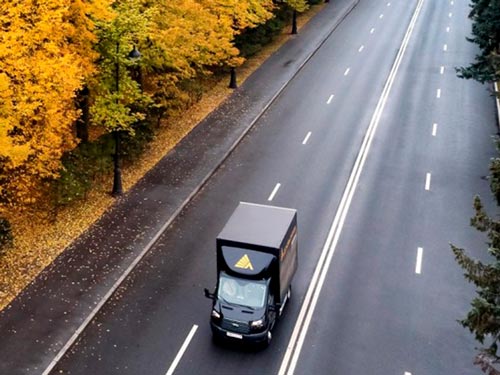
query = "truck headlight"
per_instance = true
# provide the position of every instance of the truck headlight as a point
(215, 314)
(257, 323)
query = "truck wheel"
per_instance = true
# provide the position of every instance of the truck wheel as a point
(216, 340)
(288, 295)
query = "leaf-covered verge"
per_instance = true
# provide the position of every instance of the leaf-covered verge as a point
(41, 235)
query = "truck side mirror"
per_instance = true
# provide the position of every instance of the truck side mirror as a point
(208, 294)
(273, 308)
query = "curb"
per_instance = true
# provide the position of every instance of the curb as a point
(194, 192)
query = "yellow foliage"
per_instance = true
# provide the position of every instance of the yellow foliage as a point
(241, 14)
(298, 5)
(45, 57)
(188, 37)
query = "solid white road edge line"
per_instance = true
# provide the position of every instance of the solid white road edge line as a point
(495, 85)
(418, 266)
(301, 327)
(306, 138)
(183, 348)
(428, 181)
(275, 190)
(330, 99)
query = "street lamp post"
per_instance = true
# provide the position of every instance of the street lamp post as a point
(294, 22)
(117, 173)
(232, 81)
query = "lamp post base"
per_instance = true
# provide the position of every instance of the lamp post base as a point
(117, 173)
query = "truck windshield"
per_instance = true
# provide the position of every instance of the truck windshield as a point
(248, 293)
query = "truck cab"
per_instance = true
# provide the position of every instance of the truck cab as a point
(256, 260)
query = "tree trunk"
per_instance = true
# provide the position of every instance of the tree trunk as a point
(117, 173)
(82, 123)
(294, 22)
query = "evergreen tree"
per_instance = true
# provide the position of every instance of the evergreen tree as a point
(485, 15)
(483, 320)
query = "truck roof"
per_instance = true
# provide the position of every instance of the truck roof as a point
(258, 225)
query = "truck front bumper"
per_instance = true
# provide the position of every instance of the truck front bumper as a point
(223, 334)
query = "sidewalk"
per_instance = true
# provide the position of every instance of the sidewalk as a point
(41, 320)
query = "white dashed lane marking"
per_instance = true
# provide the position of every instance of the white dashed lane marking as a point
(418, 265)
(306, 138)
(275, 190)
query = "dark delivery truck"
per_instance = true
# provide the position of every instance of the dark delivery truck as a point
(256, 261)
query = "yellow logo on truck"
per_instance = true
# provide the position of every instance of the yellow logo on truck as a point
(244, 263)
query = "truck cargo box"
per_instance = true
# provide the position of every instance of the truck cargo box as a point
(260, 240)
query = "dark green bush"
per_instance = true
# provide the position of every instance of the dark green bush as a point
(83, 165)
(6, 236)
(252, 40)
(91, 161)
(134, 145)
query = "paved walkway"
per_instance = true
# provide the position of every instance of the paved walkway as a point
(41, 320)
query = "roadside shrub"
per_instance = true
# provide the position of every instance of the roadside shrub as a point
(134, 145)
(251, 41)
(81, 167)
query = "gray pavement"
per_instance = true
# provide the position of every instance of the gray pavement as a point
(41, 320)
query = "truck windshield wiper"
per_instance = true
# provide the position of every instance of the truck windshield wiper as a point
(247, 307)
(229, 304)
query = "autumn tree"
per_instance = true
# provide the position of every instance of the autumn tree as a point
(184, 41)
(240, 15)
(118, 101)
(46, 56)
(113, 89)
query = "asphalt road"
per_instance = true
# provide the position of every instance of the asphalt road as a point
(375, 314)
